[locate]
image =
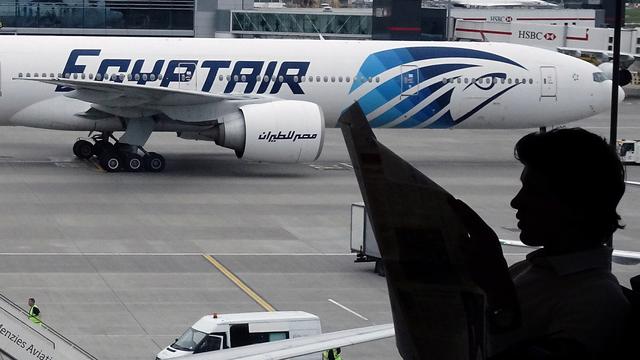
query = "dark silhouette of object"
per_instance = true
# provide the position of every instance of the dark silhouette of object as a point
(448, 282)
(572, 305)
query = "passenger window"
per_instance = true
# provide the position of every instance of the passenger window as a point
(228, 77)
(310, 78)
(530, 81)
(459, 81)
(317, 78)
(19, 75)
(377, 79)
(152, 77)
(295, 79)
(98, 76)
(347, 79)
(243, 78)
(333, 79)
(220, 77)
(280, 78)
(137, 77)
(240, 336)
(129, 77)
(90, 76)
(339, 78)
(326, 79)
(370, 79)
(35, 75)
(466, 80)
(502, 81)
(509, 81)
(235, 77)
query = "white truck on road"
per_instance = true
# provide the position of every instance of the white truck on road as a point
(217, 332)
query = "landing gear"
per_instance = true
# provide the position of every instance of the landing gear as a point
(111, 161)
(153, 162)
(83, 149)
(133, 162)
(114, 157)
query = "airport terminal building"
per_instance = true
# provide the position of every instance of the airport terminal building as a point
(242, 18)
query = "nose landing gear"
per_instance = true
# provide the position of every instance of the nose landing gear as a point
(114, 157)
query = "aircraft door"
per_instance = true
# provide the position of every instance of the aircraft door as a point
(187, 76)
(409, 80)
(548, 81)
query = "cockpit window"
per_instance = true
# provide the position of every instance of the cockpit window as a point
(599, 77)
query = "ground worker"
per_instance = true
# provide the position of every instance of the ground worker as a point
(332, 354)
(34, 312)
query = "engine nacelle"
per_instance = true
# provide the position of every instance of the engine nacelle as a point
(625, 75)
(284, 131)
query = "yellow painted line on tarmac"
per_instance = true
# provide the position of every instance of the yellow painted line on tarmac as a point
(236, 280)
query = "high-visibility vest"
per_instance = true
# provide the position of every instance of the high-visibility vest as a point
(336, 356)
(33, 317)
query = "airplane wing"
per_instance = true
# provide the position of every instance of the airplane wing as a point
(626, 59)
(133, 101)
(286, 349)
(619, 256)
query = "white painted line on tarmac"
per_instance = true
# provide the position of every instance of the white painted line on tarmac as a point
(164, 254)
(633, 183)
(346, 308)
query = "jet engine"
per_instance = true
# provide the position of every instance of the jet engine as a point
(280, 131)
(607, 69)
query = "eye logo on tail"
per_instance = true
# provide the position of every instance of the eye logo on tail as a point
(431, 75)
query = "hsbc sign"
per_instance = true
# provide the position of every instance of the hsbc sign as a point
(503, 19)
(536, 35)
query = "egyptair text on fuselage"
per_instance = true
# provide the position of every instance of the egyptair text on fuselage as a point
(243, 72)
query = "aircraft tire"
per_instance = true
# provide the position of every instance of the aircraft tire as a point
(102, 147)
(133, 162)
(153, 162)
(83, 149)
(111, 161)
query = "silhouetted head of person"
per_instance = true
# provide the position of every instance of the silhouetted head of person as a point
(571, 185)
(31, 302)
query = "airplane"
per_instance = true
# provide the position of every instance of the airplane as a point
(270, 100)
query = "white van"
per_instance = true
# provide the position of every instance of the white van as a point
(215, 332)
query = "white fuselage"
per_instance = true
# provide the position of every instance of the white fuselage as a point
(398, 84)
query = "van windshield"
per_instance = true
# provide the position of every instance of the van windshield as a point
(189, 340)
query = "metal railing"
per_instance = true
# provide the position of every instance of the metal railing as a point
(51, 330)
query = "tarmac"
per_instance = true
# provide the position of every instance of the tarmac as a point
(117, 262)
